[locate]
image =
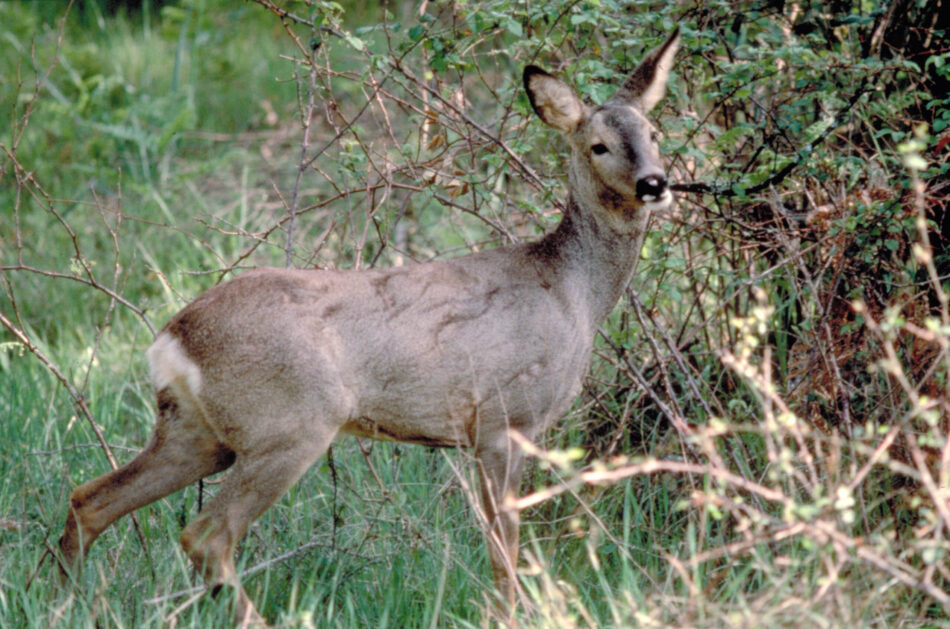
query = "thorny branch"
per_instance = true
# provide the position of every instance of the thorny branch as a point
(776, 178)
(694, 381)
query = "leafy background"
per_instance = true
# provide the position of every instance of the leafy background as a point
(762, 439)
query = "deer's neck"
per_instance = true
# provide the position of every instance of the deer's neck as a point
(595, 257)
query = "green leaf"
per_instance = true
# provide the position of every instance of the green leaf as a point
(356, 42)
(513, 26)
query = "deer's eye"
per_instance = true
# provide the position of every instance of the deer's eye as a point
(599, 149)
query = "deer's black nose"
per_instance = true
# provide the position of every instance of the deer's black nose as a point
(651, 187)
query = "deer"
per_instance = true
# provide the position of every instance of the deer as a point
(259, 374)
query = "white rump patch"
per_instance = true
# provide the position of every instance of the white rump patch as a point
(169, 362)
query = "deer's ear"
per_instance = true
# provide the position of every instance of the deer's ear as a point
(553, 100)
(647, 83)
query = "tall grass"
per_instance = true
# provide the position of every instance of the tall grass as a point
(762, 438)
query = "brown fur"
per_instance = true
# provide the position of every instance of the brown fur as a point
(260, 374)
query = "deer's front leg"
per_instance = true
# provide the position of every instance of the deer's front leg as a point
(499, 468)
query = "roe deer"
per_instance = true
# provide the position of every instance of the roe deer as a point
(260, 373)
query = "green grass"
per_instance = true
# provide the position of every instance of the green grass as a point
(159, 156)
(389, 543)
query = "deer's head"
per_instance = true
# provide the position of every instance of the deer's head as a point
(616, 169)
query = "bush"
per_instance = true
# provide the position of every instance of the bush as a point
(763, 436)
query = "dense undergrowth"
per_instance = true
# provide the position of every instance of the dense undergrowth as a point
(762, 440)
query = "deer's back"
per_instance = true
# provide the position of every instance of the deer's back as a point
(442, 353)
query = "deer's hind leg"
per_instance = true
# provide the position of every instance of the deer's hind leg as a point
(182, 450)
(257, 480)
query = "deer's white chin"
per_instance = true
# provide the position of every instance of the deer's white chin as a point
(656, 204)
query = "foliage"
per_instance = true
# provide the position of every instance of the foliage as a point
(763, 436)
